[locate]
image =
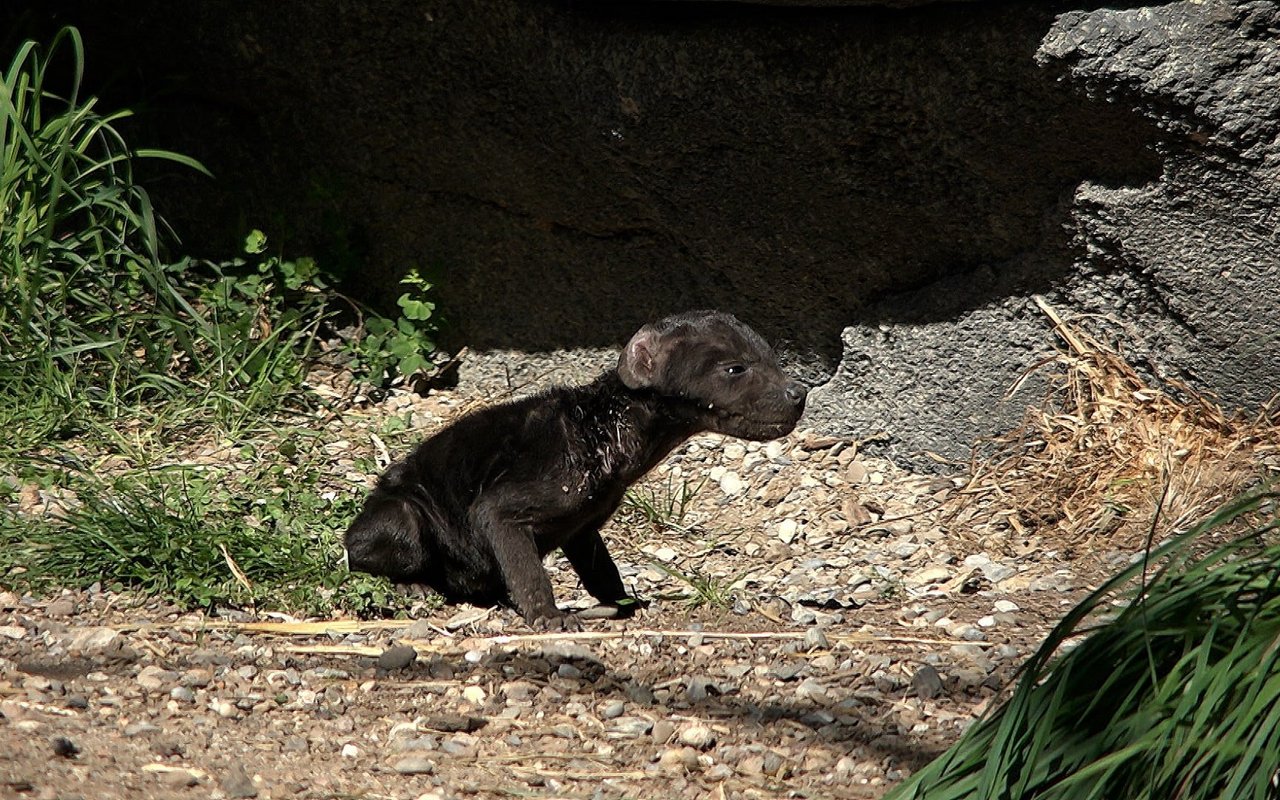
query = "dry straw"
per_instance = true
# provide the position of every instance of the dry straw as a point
(1111, 449)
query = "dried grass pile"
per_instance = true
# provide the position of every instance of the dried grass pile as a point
(1110, 453)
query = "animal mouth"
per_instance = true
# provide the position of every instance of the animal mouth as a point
(769, 428)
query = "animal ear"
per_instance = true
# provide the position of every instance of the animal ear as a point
(638, 363)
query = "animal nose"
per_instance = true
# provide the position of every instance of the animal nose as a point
(796, 392)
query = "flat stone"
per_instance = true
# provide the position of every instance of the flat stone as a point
(855, 473)
(998, 572)
(629, 727)
(153, 678)
(415, 765)
(421, 629)
(140, 728)
(62, 607)
(91, 640)
(928, 575)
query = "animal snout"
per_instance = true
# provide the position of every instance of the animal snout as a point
(796, 392)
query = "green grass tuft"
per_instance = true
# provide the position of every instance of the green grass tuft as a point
(665, 504)
(1178, 696)
(705, 591)
(254, 534)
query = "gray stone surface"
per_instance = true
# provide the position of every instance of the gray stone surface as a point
(880, 190)
(1198, 249)
(1184, 267)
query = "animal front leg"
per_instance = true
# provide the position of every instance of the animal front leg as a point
(589, 557)
(520, 565)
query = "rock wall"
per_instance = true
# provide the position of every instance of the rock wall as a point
(1184, 267)
(881, 190)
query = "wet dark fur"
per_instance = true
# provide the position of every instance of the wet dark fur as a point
(473, 510)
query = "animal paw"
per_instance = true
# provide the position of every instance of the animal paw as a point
(556, 622)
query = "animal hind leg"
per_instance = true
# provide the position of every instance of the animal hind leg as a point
(386, 539)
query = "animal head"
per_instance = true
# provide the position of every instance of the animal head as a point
(725, 370)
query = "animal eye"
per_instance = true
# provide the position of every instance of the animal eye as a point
(735, 369)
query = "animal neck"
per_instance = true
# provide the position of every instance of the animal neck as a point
(635, 429)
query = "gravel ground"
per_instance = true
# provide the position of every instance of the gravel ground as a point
(854, 620)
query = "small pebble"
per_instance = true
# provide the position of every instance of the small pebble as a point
(237, 782)
(699, 737)
(415, 765)
(613, 710)
(153, 678)
(140, 728)
(816, 639)
(178, 778)
(927, 683)
(397, 657)
(787, 530)
(810, 689)
(998, 572)
(662, 731)
(667, 554)
(731, 484)
(62, 607)
(679, 759)
(421, 629)
(629, 727)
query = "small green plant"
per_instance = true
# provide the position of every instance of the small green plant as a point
(93, 323)
(889, 587)
(399, 348)
(705, 591)
(666, 504)
(262, 313)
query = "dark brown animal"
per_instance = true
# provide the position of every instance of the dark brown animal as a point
(472, 511)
